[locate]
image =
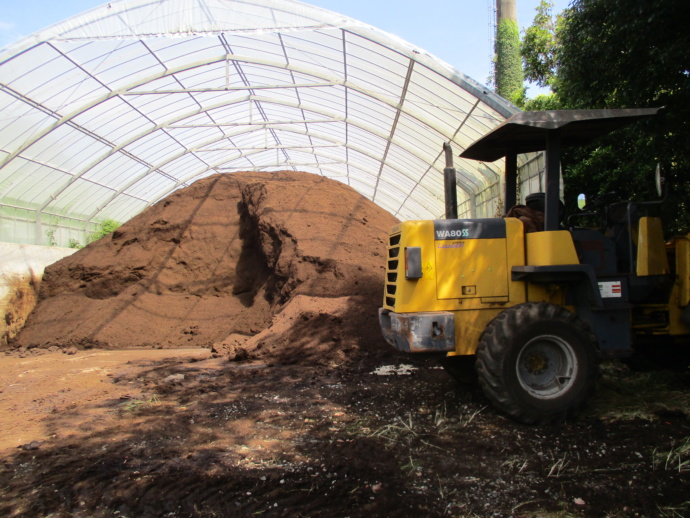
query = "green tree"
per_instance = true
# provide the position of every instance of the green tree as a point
(105, 227)
(539, 46)
(543, 102)
(630, 54)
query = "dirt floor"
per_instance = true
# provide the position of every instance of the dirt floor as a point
(180, 433)
(220, 355)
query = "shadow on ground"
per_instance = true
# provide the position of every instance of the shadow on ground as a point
(219, 438)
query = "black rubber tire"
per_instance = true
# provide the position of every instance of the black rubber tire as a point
(538, 363)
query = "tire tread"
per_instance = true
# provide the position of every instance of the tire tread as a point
(494, 349)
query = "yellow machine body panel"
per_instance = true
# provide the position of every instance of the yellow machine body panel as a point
(654, 257)
(408, 295)
(464, 269)
(469, 326)
(472, 268)
(651, 249)
(676, 325)
(680, 294)
(457, 274)
(682, 252)
(551, 248)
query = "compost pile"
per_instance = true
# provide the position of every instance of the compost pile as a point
(282, 265)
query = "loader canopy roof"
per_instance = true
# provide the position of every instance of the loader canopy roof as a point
(108, 112)
(526, 132)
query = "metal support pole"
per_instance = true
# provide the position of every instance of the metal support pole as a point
(450, 184)
(510, 193)
(553, 173)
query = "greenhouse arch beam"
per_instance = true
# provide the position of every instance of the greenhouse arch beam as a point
(121, 147)
(332, 80)
(323, 137)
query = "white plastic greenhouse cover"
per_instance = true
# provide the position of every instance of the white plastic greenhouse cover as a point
(106, 113)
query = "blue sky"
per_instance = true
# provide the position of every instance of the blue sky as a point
(456, 32)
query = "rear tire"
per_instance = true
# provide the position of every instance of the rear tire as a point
(537, 362)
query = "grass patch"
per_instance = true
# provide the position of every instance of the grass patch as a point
(399, 430)
(678, 458)
(626, 395)
(677, 511)
(135, 406)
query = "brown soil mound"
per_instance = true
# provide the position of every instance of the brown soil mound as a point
(214, 262)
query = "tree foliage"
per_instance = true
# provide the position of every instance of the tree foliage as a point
(623, 54)
(543, 102)
(539, 46)
(105, 227)
(617, 53)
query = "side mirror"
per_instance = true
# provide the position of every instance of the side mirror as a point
(581, 201)
(659, 180)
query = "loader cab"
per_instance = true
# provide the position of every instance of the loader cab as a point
(613, 263)
(547, 131)
(611, 245)
(629, 234)
(637, 283)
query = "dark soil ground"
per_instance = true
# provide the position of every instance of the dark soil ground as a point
(192, 435)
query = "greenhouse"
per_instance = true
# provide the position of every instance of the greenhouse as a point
(110, 111)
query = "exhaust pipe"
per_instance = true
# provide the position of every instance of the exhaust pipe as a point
(450, 184)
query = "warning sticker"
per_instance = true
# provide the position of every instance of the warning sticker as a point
(610, 290)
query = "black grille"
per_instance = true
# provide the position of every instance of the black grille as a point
(392, 269)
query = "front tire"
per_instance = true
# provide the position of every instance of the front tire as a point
(537, 362)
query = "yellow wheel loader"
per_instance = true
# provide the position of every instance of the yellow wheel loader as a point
(537, 304)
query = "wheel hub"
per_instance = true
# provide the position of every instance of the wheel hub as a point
(546, 367)
(536, 364)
